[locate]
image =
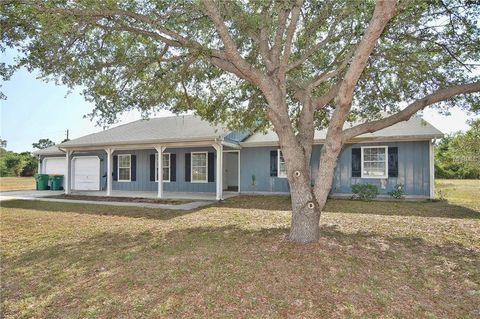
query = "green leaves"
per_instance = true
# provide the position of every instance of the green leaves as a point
(158, 54)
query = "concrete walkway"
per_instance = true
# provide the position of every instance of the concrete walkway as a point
(41, 196)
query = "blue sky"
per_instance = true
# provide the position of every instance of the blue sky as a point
(35, 109)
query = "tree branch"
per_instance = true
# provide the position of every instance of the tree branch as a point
(277, 44)
(291, 32)
(231, 50)
(384, 11)
(174, 40)
(308, 52)
(411, 109)
(320, 102)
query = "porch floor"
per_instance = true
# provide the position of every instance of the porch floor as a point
(166, 195)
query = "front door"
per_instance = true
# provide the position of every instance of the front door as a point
(230, 171)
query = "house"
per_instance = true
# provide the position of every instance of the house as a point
(192, 156)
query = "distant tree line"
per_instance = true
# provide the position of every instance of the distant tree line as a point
(20, 164)
(458, 155)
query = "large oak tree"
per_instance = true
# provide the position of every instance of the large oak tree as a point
(295, 65)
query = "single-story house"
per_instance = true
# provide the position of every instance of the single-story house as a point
(192, 156)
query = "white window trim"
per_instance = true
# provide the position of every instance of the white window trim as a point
(283, 175)
(386, 162)
(169, 168)
(191, 167)
(130, 168)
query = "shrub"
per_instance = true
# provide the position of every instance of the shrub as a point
(398, 192)
(364, 191)
(253, 185)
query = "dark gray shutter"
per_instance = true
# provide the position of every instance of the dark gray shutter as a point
(115, 168)
(356, 162)
(188, 158)
(273, 163)
(173, 167)
(133, 167)
(152, 167)
(211, 167)
(393, 162)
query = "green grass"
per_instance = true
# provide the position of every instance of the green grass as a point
(374, 259)
(16, 183)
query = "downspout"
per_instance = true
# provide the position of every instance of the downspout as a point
(432, 168)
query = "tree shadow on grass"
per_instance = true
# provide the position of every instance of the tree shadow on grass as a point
(347, 206)
(97, 209)
(234, 261)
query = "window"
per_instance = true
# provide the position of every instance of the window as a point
(124, 168)
(199, 167)
(282, 169)
(374, 162)
(165, 167)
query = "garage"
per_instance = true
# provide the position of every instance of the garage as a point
(54, 165)
(86, 173)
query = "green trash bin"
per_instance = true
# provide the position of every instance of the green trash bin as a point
(41, 182)
(56, 182)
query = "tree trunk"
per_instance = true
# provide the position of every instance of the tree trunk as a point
(307, 204)
(305, 213)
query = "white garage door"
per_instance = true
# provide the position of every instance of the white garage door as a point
(86, 174)
(55, 165)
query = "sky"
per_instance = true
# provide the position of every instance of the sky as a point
(35, 109)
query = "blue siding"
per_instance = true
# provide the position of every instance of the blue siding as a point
(143, 182)
(256, 161)
(413, 164)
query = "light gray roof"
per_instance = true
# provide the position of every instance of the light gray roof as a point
(415, 128)
(156, 130)
(51, 150)
(188, 128)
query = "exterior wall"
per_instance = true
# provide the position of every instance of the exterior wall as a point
(413, 165)
(143, 182)
(255, 161)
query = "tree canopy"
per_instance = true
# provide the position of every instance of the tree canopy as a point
(458, 155)
(169, 54)
(43, 143)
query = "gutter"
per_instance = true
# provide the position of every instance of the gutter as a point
(142, 142)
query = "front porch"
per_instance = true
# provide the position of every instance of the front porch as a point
(197, 196)
(207, 170)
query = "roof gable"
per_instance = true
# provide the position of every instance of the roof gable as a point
(415, 128)
(154, 130)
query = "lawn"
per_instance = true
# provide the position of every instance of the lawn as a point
(16, 183)
(374, 259)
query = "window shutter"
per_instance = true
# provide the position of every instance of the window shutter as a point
(115, 168)
(273, 163)
(211, 167)
(133, 167)
(393, 162)
(173, 167)
(152, 167)
(188, 158)
(356, 162)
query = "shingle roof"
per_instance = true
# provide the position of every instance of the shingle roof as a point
(154, 130)
(414, 128)
(51, 150)
(192, 128)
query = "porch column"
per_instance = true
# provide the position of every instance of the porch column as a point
(160, 150)
(109, 170)
(66, 185)
(219, 177)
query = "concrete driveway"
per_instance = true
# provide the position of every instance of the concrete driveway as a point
(40, 195)
(31, 194)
